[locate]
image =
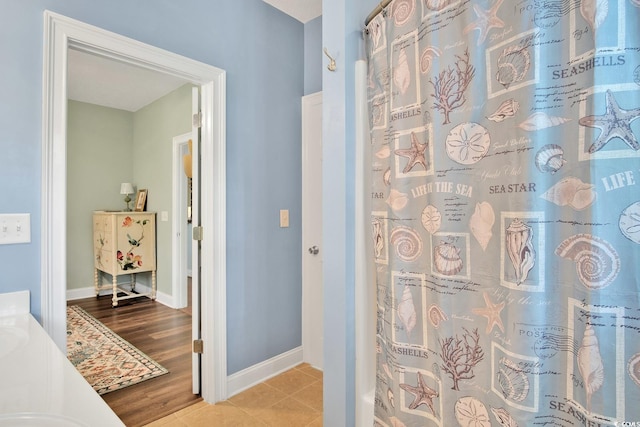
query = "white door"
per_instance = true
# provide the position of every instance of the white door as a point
(312, 293)
(195, 243)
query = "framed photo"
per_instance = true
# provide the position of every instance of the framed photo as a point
(141, 200)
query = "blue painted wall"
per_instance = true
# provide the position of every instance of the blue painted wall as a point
(313, 56)
(262, 51)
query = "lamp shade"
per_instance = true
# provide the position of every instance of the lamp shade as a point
(126, 188)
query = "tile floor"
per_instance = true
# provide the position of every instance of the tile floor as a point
(291, 399)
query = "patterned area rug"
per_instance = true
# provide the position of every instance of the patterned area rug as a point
(105, 360)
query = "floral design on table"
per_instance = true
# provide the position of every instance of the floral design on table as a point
(129, 260)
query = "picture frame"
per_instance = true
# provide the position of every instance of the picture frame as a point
(141, 200)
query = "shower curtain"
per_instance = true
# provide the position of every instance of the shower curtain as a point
(506, 212)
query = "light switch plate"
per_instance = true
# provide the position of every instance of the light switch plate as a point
(284, 218)
(15, 228)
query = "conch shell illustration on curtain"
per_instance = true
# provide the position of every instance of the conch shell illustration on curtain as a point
(505, 140)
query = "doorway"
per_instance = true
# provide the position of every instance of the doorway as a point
(62, 33)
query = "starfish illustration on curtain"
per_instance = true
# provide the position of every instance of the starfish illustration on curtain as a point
(424, 394)
(415, 154)
(487, 20)
(491, 312)
(615, 123)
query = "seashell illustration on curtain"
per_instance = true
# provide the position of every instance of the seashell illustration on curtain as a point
(550, 158)
(437, 5)
(397, 200)
(633, 368)
(571, 191)
(407, 243)
(513, 64)
(481, 223)
(446, 259)
(378, 238)
(541, 120)
(507, 109)
(519, 245)
(504, 417)
(590, 364)
(512, 381)
(407, 311)
(402, 11)
(597, 262)
(427, 57)
(594, 12)
(436, 315)
(402, 73)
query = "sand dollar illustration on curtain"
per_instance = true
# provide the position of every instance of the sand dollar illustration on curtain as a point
(468, 143)
(629, 222)
(470, 412)
(431, 219)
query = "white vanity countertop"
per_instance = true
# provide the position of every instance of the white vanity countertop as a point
(38, 385)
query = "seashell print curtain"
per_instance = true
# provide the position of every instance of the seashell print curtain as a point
(506, 212)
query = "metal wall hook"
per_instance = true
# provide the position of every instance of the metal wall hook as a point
(332, 62)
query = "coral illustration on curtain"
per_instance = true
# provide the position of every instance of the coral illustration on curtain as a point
(506, 212)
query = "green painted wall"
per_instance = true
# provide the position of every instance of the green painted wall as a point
(107, 147)
(98, 159)
(154, 127)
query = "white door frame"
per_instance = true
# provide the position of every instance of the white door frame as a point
(179, 269)
(312, 298)
(60, 33)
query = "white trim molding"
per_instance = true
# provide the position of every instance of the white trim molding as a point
(247, 378)
(61, 33)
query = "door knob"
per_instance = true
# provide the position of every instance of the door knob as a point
(313, 250)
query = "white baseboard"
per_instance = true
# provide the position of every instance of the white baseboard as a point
(262, 371)
(88, 292)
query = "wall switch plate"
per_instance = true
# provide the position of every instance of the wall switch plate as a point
(284, 218)
(15, 228)
(164, 216)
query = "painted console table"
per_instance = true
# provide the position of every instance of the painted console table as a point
(124, 243)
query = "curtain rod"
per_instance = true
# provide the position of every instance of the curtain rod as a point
(376, 11)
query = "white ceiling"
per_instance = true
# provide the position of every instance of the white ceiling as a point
(97, 80)
(101, 81)
(302, 10)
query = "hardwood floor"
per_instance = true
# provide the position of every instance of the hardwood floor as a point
(164, 334)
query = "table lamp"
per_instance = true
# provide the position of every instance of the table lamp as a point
(126, 188)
